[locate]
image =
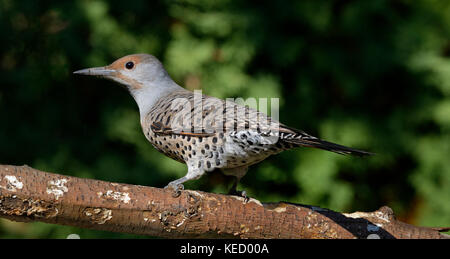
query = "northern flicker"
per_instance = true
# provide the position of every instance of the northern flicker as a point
(207, 133)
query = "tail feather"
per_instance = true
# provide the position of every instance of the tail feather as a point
(301, 138)
(329, 146)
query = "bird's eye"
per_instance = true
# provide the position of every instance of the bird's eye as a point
(129, 65)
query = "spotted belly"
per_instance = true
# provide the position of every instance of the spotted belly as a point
(218, 151)
(203, 152)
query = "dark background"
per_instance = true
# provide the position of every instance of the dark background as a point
(368, 74)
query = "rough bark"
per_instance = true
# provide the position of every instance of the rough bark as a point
(27, 194)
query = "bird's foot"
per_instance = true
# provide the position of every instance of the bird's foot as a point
(176, 188)
(242, 194)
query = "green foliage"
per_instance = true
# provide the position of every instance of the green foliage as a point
(368, 74)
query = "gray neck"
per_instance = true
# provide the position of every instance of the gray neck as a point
(147, 96)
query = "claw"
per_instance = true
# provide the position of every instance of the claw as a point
(242, 194)
(176, 188)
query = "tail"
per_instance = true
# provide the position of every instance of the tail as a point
(301, 138)
(336, 148)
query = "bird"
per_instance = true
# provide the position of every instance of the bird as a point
(204, 132)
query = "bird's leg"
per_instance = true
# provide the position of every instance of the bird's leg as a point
(234, 191)
(238, 173)
(177, 185)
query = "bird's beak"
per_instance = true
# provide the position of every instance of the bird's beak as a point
(96, 71)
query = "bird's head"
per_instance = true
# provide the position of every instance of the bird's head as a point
(142, 74)
(136, 72)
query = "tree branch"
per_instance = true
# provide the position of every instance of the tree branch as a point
(27, 194)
